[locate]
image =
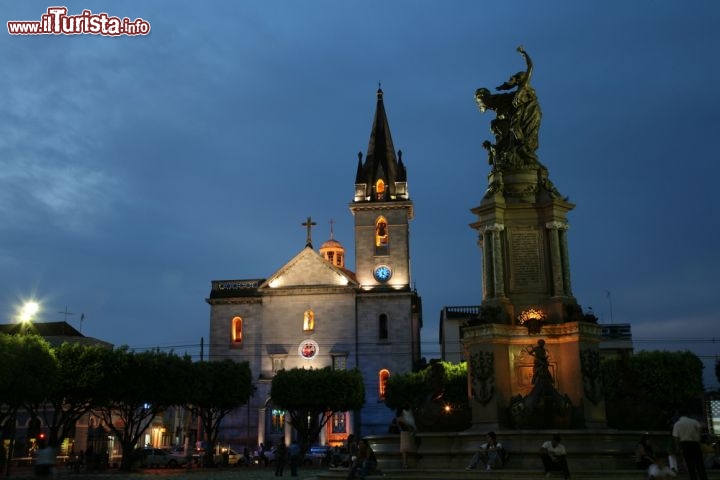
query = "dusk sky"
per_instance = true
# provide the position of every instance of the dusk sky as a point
(134, 170)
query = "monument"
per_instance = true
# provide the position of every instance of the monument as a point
(533, 356)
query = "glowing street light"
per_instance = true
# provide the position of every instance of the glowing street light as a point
(28, 311)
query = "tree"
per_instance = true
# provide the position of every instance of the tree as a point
(135, 388)
(644, 391)
(71, 390)
(311, 397)
(437, 395)
(407, 390)
(26, 366)
(415, 388)
(216, 389)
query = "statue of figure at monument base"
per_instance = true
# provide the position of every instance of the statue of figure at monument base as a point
(544, 406)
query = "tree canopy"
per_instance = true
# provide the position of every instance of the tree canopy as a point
(214, 390)
(437, 395)
(311, 397)
(71, 391)
(135, 388)
(644, 390)
(27, 364)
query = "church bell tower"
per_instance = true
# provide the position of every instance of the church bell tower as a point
(382, 210)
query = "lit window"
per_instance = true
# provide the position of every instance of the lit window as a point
(382, 327)
(308, 321)
(278, 363)
(382, 382)
(339, 422)
(237, 333)
(380, 190)
(381, 232)
(278, 421)
(339, 362)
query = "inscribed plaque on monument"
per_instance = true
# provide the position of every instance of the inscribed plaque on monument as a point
(526, 273)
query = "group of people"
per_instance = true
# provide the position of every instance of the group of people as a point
(493, 455)
(687, 442)
(285, 454)
(661, 465)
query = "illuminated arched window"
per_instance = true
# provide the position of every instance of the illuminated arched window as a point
(381, 232)
(339, 422)
(380, 190)
(308, 321)
(237, 330)
(278, 421)
(383, 327)
(383, 376)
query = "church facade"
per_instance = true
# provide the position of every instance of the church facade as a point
(313, 312)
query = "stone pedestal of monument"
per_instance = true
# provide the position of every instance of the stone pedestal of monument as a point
(515, 383)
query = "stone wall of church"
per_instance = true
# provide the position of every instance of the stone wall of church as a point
(221, 341)
(273, 329)
(334, 313)
(375, 354)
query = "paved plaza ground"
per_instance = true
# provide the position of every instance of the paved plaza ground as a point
(26, 473)
(260, 473)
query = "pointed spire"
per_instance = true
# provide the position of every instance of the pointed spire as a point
(380, 147)
(359, 175)
(402, 174)
(380, 160)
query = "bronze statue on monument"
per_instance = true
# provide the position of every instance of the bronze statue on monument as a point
(544, 406)
(553, 382)
(517, 120)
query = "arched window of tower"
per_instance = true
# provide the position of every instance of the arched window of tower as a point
(380, 189)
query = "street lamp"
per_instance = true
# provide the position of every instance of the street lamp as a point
(27, 313)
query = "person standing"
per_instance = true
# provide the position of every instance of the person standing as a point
(686, 432)
(261, 455)
(294, 452)
(352, 451)
(406, 423)
(45, 461)
(554, 456)
(280, 458)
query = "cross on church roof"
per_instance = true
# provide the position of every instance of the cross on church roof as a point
(309, 224)
(66, 313)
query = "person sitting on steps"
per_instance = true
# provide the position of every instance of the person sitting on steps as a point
(554, 457)
(490, 455)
